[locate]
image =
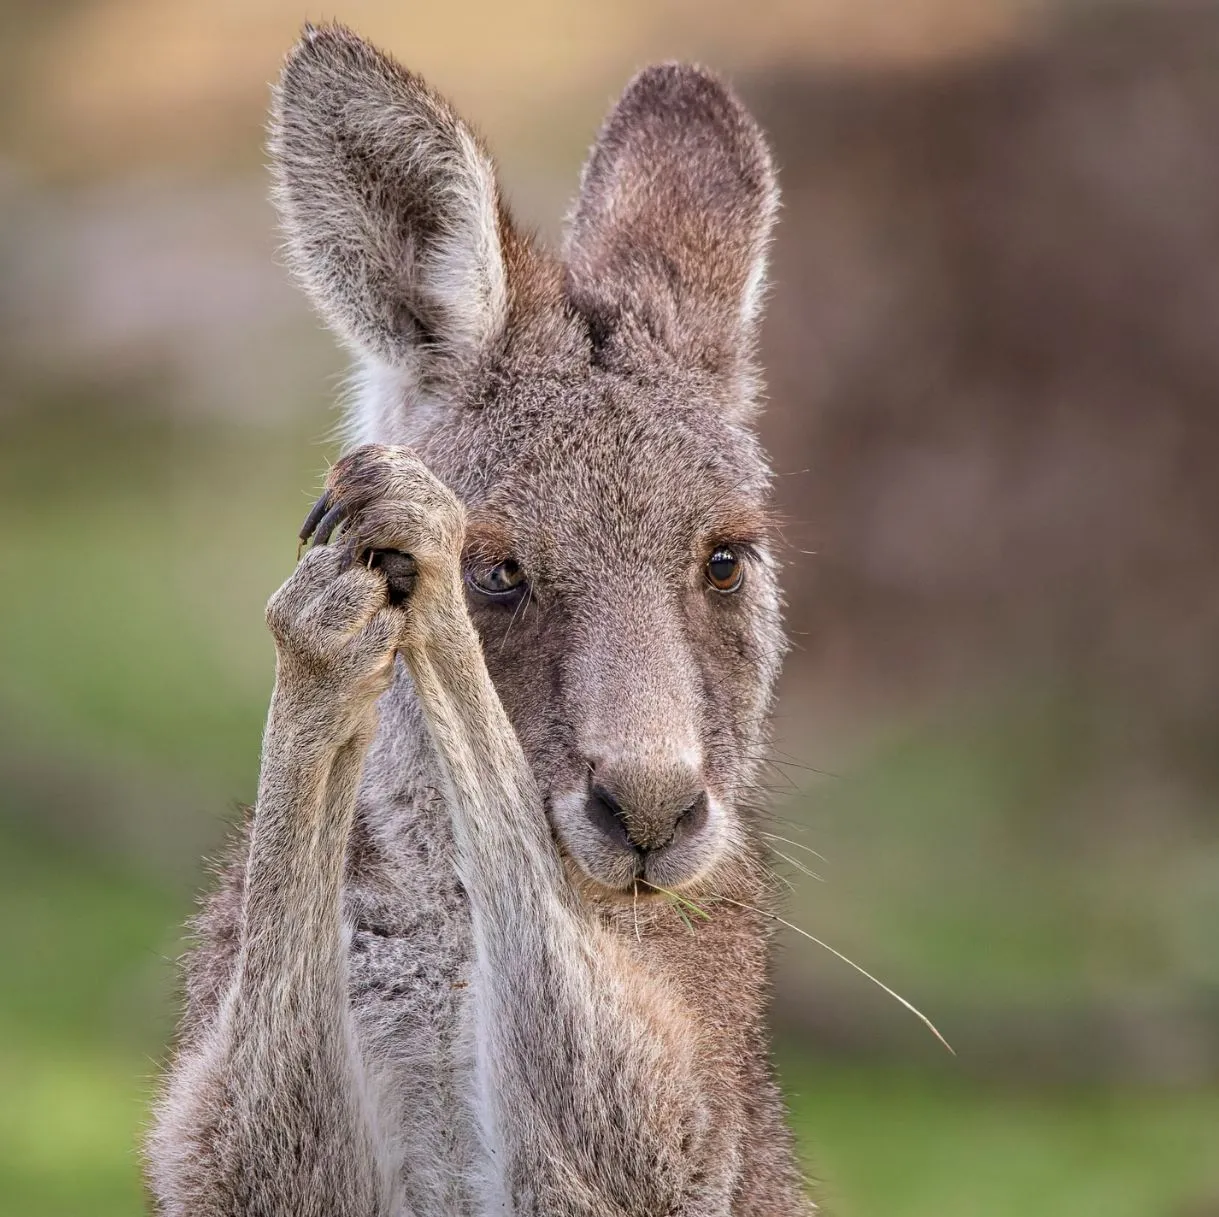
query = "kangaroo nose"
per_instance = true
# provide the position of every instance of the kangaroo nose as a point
(645, 828)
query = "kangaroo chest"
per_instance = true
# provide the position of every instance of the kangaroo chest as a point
(409, 984)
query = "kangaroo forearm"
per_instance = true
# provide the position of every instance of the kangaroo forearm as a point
(306, 803)
(575, 1061)
(552, 991)
(289, 989)
(559, 1113)
(253, 1126)
(499, 824)
(276, 1105)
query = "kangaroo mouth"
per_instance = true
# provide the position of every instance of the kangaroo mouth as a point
(605, 856)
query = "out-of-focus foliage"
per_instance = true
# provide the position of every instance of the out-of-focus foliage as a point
(993, 382)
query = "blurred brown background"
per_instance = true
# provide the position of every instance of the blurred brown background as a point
(993, 349)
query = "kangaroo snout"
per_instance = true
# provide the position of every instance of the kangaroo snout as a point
(642, 816)
(633, 801)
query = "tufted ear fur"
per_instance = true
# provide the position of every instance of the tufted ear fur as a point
(673, 217)
(392, 213)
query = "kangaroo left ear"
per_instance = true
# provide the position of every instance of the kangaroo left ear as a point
(393, 217)
(672, 221)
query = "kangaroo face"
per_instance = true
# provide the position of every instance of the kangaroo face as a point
(619, 570)
(592, 412)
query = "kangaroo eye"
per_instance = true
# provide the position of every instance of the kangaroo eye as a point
(725, 570)
(500, 581)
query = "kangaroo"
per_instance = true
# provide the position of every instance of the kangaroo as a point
(496, 935)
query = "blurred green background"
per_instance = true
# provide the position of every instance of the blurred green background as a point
(994, 376)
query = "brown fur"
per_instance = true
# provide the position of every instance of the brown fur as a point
(434, 982)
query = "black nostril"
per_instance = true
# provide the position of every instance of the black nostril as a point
(693, 818)
(606, 813)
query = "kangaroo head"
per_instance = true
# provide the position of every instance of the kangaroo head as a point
(593, 413)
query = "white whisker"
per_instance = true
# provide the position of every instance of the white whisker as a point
(798, 865)
(772, 836)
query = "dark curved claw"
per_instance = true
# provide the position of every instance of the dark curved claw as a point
(329, 522)
(316, 512)
(398, 568)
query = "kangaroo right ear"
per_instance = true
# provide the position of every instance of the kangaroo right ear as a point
(391, 209)
(670, 228)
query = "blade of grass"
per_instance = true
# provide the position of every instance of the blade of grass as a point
(696, 909)
(880, 984)
(677, 908)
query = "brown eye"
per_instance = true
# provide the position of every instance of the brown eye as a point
(500, 581)
(725, 570)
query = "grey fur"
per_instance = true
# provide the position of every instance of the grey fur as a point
(427, 983)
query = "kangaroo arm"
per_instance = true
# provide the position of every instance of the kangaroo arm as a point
(270, 1113)
(590, 1094)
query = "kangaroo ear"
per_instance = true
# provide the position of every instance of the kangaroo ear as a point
(673, 217)
(391, 209)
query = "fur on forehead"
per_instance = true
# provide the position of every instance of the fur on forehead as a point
(396, 227)
(559, 469)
